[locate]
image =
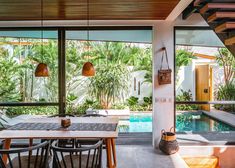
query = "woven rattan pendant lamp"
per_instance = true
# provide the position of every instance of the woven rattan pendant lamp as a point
(41, 69)
(88, 68)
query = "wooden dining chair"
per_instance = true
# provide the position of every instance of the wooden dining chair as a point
(30, 157)
(87, 156)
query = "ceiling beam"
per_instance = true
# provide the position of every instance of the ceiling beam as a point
(180, 7)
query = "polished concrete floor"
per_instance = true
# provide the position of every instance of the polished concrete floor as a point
(145, 156)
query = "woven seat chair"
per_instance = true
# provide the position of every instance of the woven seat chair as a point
(85, 156)
(30, 157)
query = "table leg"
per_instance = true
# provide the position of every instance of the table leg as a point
(7, 145)
(114, 152)
(111, 153)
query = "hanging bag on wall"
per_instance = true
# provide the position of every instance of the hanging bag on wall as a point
(164, 75)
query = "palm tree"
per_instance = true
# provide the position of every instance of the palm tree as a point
(227, 60)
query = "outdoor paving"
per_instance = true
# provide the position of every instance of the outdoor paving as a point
(225, 117)
(145, 156)
(207, 138)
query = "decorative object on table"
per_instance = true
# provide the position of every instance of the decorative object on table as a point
(88, 68)
(168, 143)
(41, 69)
(65, 123)
(164, 75)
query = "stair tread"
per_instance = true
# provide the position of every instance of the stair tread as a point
(230, 41)
(225, 26)
(219, 15)
(209, 6)
(198, 2)
(202, 161)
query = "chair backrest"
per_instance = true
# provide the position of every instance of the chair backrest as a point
(30, 157)
(87, 156)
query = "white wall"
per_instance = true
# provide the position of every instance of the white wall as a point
(186, 80)
(145, 88)
(163, 96)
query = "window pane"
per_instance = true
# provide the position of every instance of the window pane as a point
(122, 84)
(198, 38)
(204, 72)
(134, 36)
(20, 53)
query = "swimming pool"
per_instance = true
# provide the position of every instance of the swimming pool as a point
(197, 122)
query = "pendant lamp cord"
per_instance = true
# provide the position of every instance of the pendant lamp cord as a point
(42, 27)
(88, 28)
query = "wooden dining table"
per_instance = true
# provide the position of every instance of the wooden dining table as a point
(83, 127)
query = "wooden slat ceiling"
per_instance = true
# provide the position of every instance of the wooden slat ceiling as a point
(77, 9)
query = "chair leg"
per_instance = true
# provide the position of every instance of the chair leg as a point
(7, 145)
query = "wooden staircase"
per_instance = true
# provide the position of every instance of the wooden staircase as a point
(220, 15)
(202, 162)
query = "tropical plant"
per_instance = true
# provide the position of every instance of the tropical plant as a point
(183, 58)
(132, 101)
(15, 111)
(110, 84)
(120, 106)
(9, 70)
(146, 64)
(2, 120)
(226, 92)
(148, 102)
(134, 104)
(226, 59)
(82, 108)
(75, 54)
(185, 96)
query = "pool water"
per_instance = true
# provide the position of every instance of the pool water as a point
(200, 123)
(137, 123)
(184, 122)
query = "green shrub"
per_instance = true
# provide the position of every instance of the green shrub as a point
(120, 106)
(185, 96)
(81, 108)
(226, 92)
(16, 111)
(132, 101)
